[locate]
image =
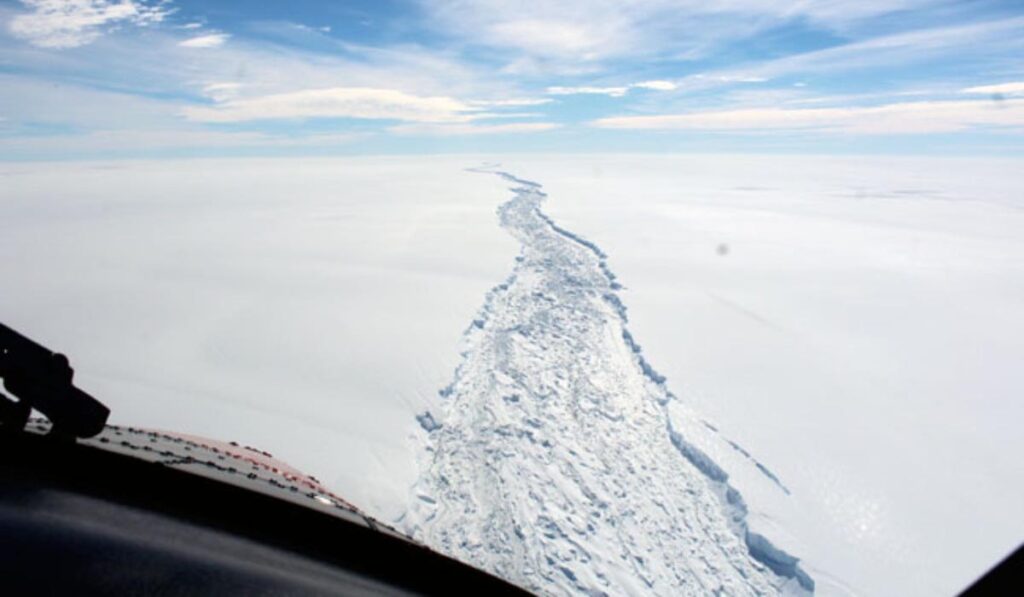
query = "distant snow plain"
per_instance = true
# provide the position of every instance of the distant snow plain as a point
(855, 324)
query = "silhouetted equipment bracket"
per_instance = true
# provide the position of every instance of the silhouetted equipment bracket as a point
(41, 379)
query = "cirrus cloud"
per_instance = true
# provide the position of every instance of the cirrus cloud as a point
(71, 23)
(461, 129)
(585, 90)
(337, 102)
(898, 118)
(1014, 88)
(210, 40)
(612, 91)
(655, 85)
(582, 32)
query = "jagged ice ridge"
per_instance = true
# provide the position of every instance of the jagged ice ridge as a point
(555, 464)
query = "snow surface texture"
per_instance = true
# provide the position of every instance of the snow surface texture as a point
(854, 323)
(294, 305)
(555, 464)
(862, 335)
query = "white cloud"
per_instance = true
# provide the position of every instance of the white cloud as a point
(899, 118)
(1015, 88)
(733, 78)
(896, 49)
(542, 33)
(211, 40)
(220, 92)
(73, 23)
(609, 91)
(473, 129)
(338, 102)
(152, 140)
(1002, 37)
(559, 35)
(192, 26)
(656, 85)
(546, 37)
(104, 120)
(514, 102)
(31, 99)
(612, 91)
(157, 65)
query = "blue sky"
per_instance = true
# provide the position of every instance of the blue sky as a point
(135, 78)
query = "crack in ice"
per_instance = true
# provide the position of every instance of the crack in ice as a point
(555, 463)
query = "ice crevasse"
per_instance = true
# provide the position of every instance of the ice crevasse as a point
(553, 462)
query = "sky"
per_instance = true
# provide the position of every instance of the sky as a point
(98, 79)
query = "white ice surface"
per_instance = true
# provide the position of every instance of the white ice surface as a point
(555, 464)
(308, 307)
(861, 336)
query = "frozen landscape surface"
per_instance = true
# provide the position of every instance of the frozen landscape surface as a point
(556, 465)
(854, 325)
(860, 336)
(310, 307)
